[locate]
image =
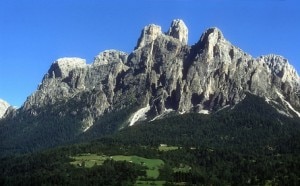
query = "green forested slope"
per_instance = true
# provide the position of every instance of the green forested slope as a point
(249, 144)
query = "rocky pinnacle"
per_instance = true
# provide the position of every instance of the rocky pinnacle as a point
(163, 73)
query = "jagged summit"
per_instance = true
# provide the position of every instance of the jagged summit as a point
(109, 56)
(162, 76)
(149, 34)
(179, 31)
(62, 66)
(212, 35)
(281, 67)
(164, 73)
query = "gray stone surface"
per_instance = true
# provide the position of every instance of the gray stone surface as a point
(179, 31)
(165, 73)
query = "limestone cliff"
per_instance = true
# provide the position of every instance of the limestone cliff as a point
(163, 73)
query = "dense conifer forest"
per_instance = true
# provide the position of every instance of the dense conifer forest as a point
(249, 144)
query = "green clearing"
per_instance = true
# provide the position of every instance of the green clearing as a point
(90, 160)
(167, 148)
(145, 183)
(182, 168)
(152, 165)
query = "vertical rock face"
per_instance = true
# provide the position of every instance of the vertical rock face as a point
(284, 77)
(280, 67)
(110, 56)
(3, 107)
(179, 31)
(62, 67)
(163, 73)
(149, 34)
(63, 80)
(71, 77)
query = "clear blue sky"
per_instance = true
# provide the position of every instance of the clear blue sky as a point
(34, 33)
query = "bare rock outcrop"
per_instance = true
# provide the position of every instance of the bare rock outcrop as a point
(110, 56)
(164, 73)
(179, 31)
(148, 35)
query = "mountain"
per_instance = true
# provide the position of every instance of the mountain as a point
(161, 78)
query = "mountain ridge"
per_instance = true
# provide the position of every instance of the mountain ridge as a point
(162, 75)
(211, 43)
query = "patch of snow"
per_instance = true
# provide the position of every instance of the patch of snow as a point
(87, 128)
(267, 100)
(156, 117)
(283, 112)
(88, 123)
(226, 106)
(166, 111)
(272, 103)
(138, 115)
(204, 112)
(288, 104)
(182, 112)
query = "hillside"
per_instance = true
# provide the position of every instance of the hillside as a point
(248, 144)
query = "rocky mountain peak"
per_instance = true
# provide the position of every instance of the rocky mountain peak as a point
(3, 107)
(213, 41)
(281, 67)
(110, 56)
(62, 67)
(163, 74)
(179, 31)
(212, 35)
(148, 35)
